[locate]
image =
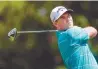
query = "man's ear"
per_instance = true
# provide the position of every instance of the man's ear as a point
(55, 24)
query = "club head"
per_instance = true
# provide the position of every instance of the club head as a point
(12, 34)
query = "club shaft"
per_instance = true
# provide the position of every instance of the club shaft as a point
(42, 31)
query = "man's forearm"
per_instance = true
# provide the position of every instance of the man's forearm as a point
(92, 32)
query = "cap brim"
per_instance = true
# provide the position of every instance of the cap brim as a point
(69, 11)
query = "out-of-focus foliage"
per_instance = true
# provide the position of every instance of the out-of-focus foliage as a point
(34, 51)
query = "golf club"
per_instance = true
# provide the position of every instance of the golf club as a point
(13, 33)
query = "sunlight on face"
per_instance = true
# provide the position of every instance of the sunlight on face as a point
(63, 22)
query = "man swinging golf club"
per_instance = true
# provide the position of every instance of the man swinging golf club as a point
(72, 40)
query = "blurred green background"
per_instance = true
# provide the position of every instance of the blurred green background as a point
(39, 51)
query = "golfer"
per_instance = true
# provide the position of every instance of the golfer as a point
(73, 40)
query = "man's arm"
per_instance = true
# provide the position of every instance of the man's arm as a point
(92, 32)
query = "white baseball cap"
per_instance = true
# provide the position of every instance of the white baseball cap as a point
(57, 12)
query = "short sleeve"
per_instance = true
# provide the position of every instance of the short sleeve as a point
(84, 35)
(78, 35)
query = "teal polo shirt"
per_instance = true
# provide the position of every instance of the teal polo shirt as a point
(74, 49)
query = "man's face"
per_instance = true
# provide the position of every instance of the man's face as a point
(63, 22)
